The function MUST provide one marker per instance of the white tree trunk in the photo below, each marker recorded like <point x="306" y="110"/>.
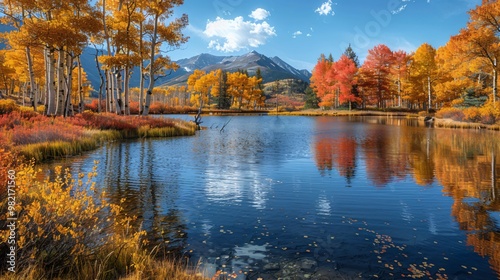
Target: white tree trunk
<point x="429" y="92"/>
<point x="114" y="91"/>
<point x="68" y="105"/>
<point x="33" y="96"/>
<point x="141" y="69"/>
<point x="60" y="83"/>
<point x="151" y="67"/>
<point x="126" y="90"/>
<point x="495" y="79"/>
<point x="81" y="98"/>
<point x="50" y="82"/>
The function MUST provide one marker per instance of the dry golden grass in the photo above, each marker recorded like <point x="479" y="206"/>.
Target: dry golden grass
<point x="67" y="229"/>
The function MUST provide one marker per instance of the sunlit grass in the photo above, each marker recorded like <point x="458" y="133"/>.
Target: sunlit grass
<point x="39" y="137"/>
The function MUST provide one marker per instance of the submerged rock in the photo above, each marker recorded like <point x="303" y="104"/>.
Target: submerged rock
<point x="307" y="264"/>
<point x="272" y="266"/>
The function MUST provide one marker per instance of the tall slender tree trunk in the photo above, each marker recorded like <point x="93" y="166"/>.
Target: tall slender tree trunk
<point x="429" y="93"/>
<point x="60" y="82"/>
<point x="399" y="90"/>
<point x="31" y="74"/>
<point x="151" y="66"/>
<point x="141" y="67"/>
<point x="101" y="81"/>
<point x="109" y="76"/>
<point x="126" y="89"/>
<point x="114" y="91"/>
<point x="109" y="99"/>
<point x="51" y="106"/>
<point x="495" y="79"/>
<point x="80" y="86"/>
<point x="118" y="85"/>
<point x="68" y="106"/>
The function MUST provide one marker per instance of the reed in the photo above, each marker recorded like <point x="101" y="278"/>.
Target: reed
<point x="450" y="123"/>
<point x="56" y="149"/>
<point x="69" y="230"/>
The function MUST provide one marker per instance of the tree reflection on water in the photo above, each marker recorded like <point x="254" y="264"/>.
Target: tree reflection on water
<point x="465" y="163"/>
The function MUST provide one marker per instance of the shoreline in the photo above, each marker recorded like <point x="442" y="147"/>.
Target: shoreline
<point x="438" y="122"/>
<point x="95" y="138"/>
<point x="40" y="138"/>
<point x="343" y="113"/>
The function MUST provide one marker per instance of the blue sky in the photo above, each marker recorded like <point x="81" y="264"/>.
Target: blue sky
<point x="299" y="31"/>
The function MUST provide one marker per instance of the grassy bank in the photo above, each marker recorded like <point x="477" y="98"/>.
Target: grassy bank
<point x="338" y="113"/>
<point x="35" y="136"/>
<point x="450" y="123"/>
<point x="66" y="228"/>
<point x="486" y="117"/>
<point x="445" y="119"/>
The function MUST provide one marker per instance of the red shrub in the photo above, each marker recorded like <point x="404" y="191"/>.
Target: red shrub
<point x="158" y="108"/>
<point x="93" y="106"/>
<point x="134" y="107"/>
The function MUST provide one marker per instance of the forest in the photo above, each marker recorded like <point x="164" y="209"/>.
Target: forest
<point x="459" y="78"/>
<point x="47" y="38"/>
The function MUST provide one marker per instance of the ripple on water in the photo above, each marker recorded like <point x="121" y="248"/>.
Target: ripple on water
<point x="359" y="197"/>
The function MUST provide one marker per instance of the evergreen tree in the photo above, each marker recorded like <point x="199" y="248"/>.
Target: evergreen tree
<point x="223" y="99"/>
<point x="349" y="52"/>
<point x="258" y="74"/>
<point x="312" y="99"/>
<point x="330" y="58"/>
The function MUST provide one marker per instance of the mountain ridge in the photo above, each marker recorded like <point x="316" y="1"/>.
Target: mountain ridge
<point x="272" y="69"/>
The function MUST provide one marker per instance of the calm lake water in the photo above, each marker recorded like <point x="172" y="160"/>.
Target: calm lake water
<point x="315" y="197"/>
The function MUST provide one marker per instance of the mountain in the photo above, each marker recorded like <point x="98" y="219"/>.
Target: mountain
<point x="272" y="69"/>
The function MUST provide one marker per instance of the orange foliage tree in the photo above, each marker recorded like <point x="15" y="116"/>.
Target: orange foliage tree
<point x="375" y="81"/>
<point x="333" y="81"/>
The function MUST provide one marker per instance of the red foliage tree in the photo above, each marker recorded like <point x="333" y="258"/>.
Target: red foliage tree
<point x="376" y="75"/>
<point x="322" y="81"/>
<point x="345" y="76"/>
<point x="399" y="68"/>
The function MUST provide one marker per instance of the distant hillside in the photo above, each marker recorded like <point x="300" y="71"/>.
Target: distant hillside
<point x="272" y="69"/>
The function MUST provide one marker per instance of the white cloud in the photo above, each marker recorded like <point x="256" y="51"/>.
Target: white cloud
<point x="296" y="34"/>
<point x="326" y="9"/>
<point x="309" y="35"/>
<point x="237" y="34"/>
<point x="260" y="14"/>
<point x="399" y="10"/>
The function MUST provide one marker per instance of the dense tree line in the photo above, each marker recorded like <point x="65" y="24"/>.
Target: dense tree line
<point x="48" y="37"/>
<point x="465" y="68"/>
<point x="224" y="89"/>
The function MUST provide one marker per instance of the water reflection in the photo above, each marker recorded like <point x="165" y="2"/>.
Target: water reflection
<point x="270" y="193"/>
<point x="464" y="162"/>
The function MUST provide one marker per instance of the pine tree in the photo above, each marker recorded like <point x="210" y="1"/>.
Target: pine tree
<point x="312" y="99"/>
<point x="349" y="52"/>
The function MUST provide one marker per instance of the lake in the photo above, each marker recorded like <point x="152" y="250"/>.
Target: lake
<point x="314" y="197"/>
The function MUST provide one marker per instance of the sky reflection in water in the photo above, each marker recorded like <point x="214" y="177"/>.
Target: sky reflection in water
<point x="326" y="197"/>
